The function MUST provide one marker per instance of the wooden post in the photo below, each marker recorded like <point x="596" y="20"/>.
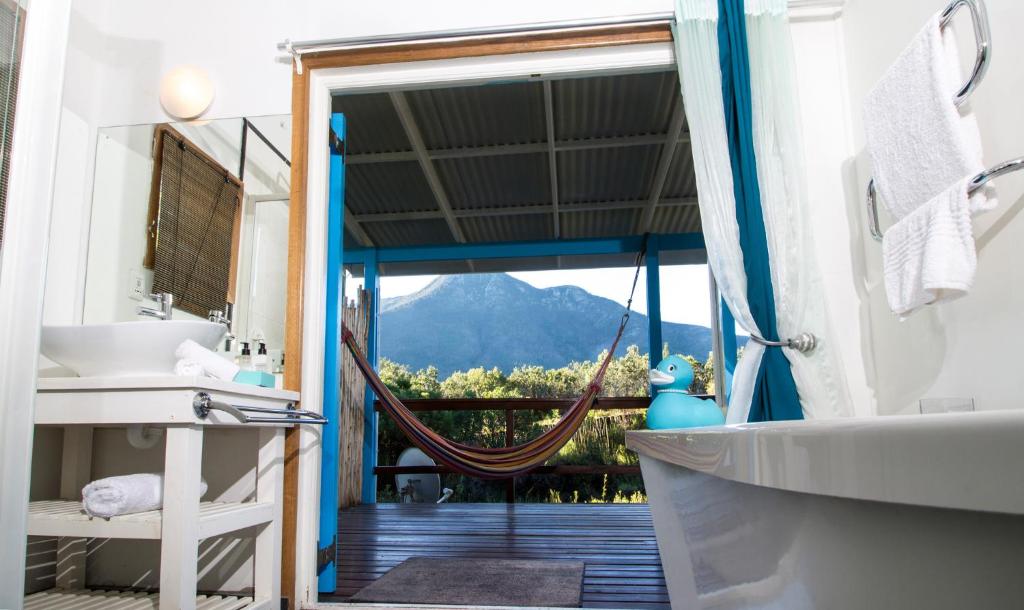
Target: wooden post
<point x="653" y="304"/>
<point x="371" y="282"/>
<point x="510" y="440"/>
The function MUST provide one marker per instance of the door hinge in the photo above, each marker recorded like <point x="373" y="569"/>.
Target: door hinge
<point x="337" y="145"/>
<point x="326" y="555"/>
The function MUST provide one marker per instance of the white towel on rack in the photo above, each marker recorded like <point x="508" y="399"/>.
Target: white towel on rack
<point x="124" y="495"/>
<point x="929" y="255"/>
<point x="212" y="364"/>
<point x="919" y="141"/>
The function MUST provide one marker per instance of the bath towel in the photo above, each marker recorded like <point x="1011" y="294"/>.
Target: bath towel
<point x="213" y="365"/>
<point x="919" y="141"/>
<point x="929" y="255"/>
<point x="923" y="150"/>
<point x="124" y="495"/>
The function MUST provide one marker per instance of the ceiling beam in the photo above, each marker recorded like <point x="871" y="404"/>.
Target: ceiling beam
<point x="357" y="231"/>
<point x="493" y="150"/>
<point x="549" y="119"/>
<point x="668" y="151"/>
<point x="520" y="210"/>
<point x="412" y="131"/>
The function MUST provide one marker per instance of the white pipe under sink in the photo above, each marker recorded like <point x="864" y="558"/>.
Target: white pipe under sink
<point x="917" y="511"/>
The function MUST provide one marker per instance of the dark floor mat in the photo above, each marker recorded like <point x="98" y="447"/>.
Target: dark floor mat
<point x="479" y="582"/>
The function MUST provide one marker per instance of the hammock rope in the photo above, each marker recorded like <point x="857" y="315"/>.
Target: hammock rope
<point x="496" y="462"/>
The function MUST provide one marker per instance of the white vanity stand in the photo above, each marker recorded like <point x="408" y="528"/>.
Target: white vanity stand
<point x="78" y="404"/>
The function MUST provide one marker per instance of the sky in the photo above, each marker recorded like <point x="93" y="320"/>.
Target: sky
<point x="684" y="288"/>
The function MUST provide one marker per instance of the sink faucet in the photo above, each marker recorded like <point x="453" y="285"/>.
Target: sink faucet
<point x="164" y="301"/>
<point x="224" y="317"/>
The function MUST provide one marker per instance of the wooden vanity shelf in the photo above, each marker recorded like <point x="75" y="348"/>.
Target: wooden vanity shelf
<point x="122" y="600"/>
<point x="56" y="518"/>
<point x="184" y="407"/>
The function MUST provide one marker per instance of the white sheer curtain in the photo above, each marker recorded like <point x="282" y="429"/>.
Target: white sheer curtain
<point x="799" y="300"/>
<point x="696" y="38"/>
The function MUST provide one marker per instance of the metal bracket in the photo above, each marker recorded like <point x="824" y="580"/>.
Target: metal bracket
<point x="337" y="144"/>
<point x="289" y="48"/>
<point x="325" y="556"/>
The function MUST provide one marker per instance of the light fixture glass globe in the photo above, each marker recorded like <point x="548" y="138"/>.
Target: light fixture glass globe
<point x="186" y="92"/>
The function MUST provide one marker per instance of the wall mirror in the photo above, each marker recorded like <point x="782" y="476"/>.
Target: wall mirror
<point x="198" y="210"/>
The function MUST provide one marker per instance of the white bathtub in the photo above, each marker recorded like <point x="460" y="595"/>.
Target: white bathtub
<point x="918" y="511"/>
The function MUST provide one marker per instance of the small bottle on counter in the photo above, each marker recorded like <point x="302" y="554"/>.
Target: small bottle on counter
<point x="245" y="358"/>
<point x="261" y="361"/>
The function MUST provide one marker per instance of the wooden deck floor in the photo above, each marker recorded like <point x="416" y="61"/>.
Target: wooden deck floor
<point x="615" y="541"/>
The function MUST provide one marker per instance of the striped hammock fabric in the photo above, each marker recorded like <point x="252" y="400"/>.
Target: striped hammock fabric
<point x="481" y="462"/>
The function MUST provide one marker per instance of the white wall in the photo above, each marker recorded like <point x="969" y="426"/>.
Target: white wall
<point x="821" y="77"/>
<point x="235" y="40"/>
<point x="967" y="348"/>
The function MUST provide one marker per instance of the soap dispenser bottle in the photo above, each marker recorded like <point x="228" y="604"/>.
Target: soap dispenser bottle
<point x="261" y="361"/>
<point x="245" y="359"/>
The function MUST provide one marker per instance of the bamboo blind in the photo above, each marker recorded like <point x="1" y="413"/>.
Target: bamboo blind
<point x="12" y="24"/>
<point x="197" y="209"/>
<point x="353" y="395"/>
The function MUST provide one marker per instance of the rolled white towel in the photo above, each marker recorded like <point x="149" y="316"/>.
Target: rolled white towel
<point x="212" y="364"/>
<point x="188" y="368"/>
<point x="124" y="495"/>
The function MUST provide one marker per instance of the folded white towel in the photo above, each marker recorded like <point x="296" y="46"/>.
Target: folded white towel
<point x="919" y="141"/>
<point x="211" y="363"/>
<point x="133" y="493"/>
<point x="923" y="149"/>
<point x="188" y="368"/>
<point x="929" y="255"/>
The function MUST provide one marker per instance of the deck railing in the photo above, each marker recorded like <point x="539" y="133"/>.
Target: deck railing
<point x="510" y="406"/>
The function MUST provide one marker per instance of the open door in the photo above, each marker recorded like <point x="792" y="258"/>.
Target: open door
<point x="329" y="447"/>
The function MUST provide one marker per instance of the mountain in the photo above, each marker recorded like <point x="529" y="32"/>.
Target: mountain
<point x="459" y="322"/>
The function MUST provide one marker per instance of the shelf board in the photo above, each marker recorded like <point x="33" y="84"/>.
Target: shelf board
<point x="161" y="382"/>
<point x="66" y="518"/>
<point x="156" y="401"/>
<point x="130" y="600"/>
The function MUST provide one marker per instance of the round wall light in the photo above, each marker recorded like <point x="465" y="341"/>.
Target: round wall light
<point x="186" y="92"/>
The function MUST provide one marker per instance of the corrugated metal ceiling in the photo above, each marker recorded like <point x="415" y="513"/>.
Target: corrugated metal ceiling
<point x="488" y="145"/>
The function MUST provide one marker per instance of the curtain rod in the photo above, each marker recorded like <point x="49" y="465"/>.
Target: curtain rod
<point x="297" y="49"/>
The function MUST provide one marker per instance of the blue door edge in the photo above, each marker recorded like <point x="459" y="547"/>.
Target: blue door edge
<point x="330" y="439"/>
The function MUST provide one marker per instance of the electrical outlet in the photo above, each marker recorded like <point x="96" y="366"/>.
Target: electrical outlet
<point x="136" y="289"/>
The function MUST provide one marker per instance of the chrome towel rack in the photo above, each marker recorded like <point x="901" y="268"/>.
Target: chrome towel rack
<point x="983" y="56"/>
<point x="203" y="403"/>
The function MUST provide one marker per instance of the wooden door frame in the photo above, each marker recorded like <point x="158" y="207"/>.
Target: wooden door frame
<point x="295" y="584"/>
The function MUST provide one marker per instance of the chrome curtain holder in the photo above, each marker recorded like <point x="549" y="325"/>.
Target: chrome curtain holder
<point x="803" y="343"/>
<point x="983" y="55"/>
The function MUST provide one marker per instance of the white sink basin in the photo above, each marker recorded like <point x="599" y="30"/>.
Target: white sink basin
<point x="125" y="349"/>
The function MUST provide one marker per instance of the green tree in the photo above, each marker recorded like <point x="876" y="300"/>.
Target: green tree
<point x="600" y="439"/>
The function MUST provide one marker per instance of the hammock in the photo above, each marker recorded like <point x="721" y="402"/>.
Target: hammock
<point x="500" y="462"/>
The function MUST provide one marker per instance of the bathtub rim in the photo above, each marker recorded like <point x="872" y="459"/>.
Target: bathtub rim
<point x="966" y="461"/>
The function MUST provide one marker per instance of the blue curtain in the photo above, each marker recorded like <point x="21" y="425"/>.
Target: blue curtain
<point x="775" y="395"/>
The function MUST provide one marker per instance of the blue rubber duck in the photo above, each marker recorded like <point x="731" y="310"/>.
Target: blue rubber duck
<point x="673" y="407"/>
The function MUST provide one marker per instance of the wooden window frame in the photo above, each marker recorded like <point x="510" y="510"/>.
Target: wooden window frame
<point x="153" y="215"/>
<point x="299" y="590"/>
